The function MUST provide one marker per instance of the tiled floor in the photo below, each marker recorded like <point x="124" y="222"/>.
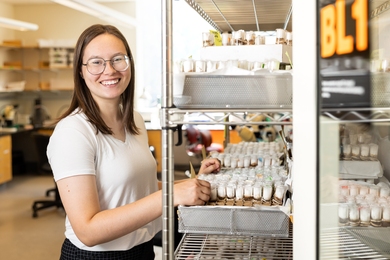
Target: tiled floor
<point x="23" y="237"/>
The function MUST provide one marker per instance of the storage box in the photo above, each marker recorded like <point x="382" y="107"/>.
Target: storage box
<point x="238" y="91"/>
<point x="44" y="85"/>
<point x="12" y="64"/>
<point x="269" y="221"/>
<point x="16" y="43"/>
<point x="16" y="86"/>
<point x="44" y="64"/>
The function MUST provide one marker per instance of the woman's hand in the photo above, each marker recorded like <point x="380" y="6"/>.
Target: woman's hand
<point x="210" y="165"/>
<point x="191" y="192"/>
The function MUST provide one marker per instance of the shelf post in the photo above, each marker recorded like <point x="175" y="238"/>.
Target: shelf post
<point x="167" y="133"/>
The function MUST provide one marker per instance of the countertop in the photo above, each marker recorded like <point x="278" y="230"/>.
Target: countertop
<point x="13" y="130"/>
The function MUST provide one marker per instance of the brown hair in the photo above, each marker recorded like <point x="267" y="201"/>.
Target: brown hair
<point x="82" y="97"/>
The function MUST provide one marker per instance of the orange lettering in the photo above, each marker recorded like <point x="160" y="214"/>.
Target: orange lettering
<point x="344" y="43"/>
<point x="360" y="13"/>
<point x="328" y="31"/>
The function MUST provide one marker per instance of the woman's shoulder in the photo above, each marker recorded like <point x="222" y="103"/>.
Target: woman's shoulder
<point x="76" y="120"/>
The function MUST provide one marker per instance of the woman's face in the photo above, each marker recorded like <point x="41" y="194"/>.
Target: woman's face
<point x="111" y="83"/>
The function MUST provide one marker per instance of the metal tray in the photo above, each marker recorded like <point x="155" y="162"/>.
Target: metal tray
<point x="237" y="91"/>
<point x="267" y="221"/>
<point x="380" y="89"/>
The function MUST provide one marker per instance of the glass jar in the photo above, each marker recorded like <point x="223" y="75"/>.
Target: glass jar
<point x="289" y="38"/>
<point x="230" y="191"/>
<point x="364" y="152"/>
<point x="384" y="192"/>
<point x="363" y="190"/>
<point x="227" y="160"/>
<point x="280" y="190"/>
<point x="376" y="215"/>
<point x="354" y="215"/>
<point x="248" y="192"/>
<point x="343" y="211"/>
<point x="386" y="215"/>
<point x="239" y="192"/>
<point x="214" y="193"/>
<point x="221" y="191"/>
<point x="374" y="151"/>
<point x="257" y="191"/>
<point x="374" y="190"/>
<point x="365" y="216"/>
<point x="267" y="192"/>
<point x="353" y="190"/>
<point x="347" y="151"/>
<point x="355" y="152"/>
<point x="280" y="36"/>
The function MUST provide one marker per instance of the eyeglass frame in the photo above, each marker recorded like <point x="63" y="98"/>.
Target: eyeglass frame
<point x="127" y="59"/>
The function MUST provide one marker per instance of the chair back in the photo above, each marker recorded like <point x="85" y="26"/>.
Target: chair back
<point x="41" y="141"/>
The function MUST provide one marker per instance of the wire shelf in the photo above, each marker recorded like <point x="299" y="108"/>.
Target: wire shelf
<point x="355" y="243"/>
<point x="201" y="246"/>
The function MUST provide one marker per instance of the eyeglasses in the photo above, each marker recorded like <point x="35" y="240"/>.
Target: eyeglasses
<point x="96" y="66"/>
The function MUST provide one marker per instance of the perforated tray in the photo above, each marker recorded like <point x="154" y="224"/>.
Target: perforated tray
<point x="233" y="220"/>
<point x="237" y="91"/>
<point x="380" y="89"/>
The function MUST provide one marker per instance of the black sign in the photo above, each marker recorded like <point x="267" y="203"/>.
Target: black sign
<point x="344" y="65"/>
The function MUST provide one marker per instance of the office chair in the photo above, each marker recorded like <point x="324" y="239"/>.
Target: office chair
<point x="41" y="141"/>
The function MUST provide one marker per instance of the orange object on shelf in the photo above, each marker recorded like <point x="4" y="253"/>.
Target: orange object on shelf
<point x="12" y="64"/>
<point x="44" y="85"/>
<point x="17" y="43"/>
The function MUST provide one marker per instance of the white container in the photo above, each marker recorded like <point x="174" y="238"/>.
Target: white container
<point x="354" y="213"/>
<point x="373" y="151"/>
<point x="376" y="212"/>
<point x="16" y="86"/>
<point x="280" y="36"/>
<point x="343" y="211"/>
<point x="365" y="214"/>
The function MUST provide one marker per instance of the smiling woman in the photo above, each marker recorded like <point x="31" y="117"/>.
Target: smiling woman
<point x="101" y="161"/>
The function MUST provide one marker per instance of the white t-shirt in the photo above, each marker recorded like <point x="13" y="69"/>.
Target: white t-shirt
<point x="125" y="171"/>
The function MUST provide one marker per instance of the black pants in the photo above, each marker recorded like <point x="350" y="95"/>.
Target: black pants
<point x="141" y="252"/>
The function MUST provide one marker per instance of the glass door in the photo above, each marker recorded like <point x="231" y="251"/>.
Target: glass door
<point x="353" y="130"/>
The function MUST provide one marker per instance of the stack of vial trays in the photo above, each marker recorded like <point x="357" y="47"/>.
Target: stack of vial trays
<point x="247" y="198"/>
<point x="251" y="175"/>
<point x="364" y="204"/>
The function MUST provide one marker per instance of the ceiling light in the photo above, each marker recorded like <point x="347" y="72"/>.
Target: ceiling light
<point x="76" y="6"/>
<point x="100" y="11"/>
<point x="17" y="25"/>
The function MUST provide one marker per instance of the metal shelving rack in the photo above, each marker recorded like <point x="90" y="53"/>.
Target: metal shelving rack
<point x="341" y="243"/>
<point x="201" y="246"/>
<point x="171" y="117"/>
<point x="355" y="243"/>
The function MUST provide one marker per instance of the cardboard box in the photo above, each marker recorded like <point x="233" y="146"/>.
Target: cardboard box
<point x="17" y="43"/>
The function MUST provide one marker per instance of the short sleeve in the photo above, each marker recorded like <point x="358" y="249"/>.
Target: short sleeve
<point x="71" y="152"/>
